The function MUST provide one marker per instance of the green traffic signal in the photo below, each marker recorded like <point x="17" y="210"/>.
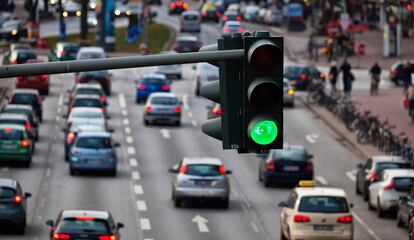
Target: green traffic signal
<point x="263" y="132"/>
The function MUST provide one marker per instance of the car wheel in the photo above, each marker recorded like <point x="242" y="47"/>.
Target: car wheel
<point x="179" y="76"/>
<point x="178" y="123"/>
<point x="370" y="207"/>
<point x="266" y="183"/>
<point x="282" y="236"/>
<point x="112" y="173"/>
<point x="380" y="211"/>
<point x="225" y="203"/>
<point x="400" y="222"/>
<point x="146" y="122"/>
<point x="21" y="229"/>
<point x="72" y="172"/>
<point x="37" y="136"/>
<point x="177" y="203"/>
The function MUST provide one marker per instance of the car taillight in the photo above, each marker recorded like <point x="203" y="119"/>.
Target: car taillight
<point x="204" y="14"/>
<point x="10" y="99"/>
<point x="372" y="176"/>
<point x="103" y="99"/>
<point x="240" y="29"/>
<point x="218" y="14"/>
<point x="141" y="86"/>
<point x="27" y="126"/>
<point x="148" y="108"/>
<point x="301" y="218"/>
<point x="17" y="199"/>
<point x="165" y="87"/>
<point x="309" y="167"/>
<point x="224" y="18"/>
<point x="15" y="61"/>
<point x="176" y="47"/>
<point x="69" y="109"/>
<point x="8" y="130"/>
<point x="177" y="109"/>
<point x="70" y="137"/>
<point x="183" y="169"/>
<point x="62" y="53"/>
<point x="179" y="4"/>
<point x="226" y="29"/>
<point x="270" y="166"/>
<point x="238" y="18"/>
<point x="172" y="6"/>
<point x="60" y="236"/>
<point x="222" y="171"/>
<point x="322" y="75"/>
<point x="185" y="6"/>
<point x="112" y="237"/>
<point x="102" y="109"/>
<point x="24" y="143"/>
<point x="394" y="72"/>
<point x="389" y="186"/>
<point x="217" y="111"/>
<point x="43" y="76"/>
<point x="79" y="79"/>
<point x="303" y="77"/>
<point x="345" y="219"/>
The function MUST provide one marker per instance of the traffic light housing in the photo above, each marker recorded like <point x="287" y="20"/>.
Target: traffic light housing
<point x="262" y="116"/>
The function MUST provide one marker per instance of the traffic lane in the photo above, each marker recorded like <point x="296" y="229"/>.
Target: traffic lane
<point x="334" y="161"/>
<point x="95" y="192"/>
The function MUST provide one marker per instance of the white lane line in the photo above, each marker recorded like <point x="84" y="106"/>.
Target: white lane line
<point x="135" y="175"/>
<point x="235" y="193"/>
<point x="129" y="139"/>
<point x="138" y="190"/>
<point x="185" y="102"/>
<point x="133" y="162"/>
<point x="194" y="123"/>
<point x="131" y="150"/>
<point x="351" y="175"/>
<point x="321" y="180"/>
<point x="48" y="172"/>
<point x="122" y="102"/>
<point x="244" y="207"/>
<point x="312" y="138"/>
<point x="148" y="239"/>
<point x="40" y="217"/>
<point x="126" y="121"/>
<point x="127" y="130"/>
<point x="125" y="113"/>
<point x="165" y="133"/>
<point x="190" y="114"/>
<point x="201" y="223"/>
<point x="255" y="228"/>
<point x="145" y="224"/>
<point x="59" y="109"/>
<point x="60" y="101"/>
<point x="364" y="225"/>
<point x="141" y="205"/>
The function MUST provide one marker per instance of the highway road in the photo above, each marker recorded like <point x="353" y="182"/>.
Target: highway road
<point x="140" y="195"/>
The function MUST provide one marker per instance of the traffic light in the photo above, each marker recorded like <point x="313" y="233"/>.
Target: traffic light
<point x="262" y="115"/>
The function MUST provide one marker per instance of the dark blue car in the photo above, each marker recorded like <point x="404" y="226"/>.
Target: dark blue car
<point x="150" y="83"/>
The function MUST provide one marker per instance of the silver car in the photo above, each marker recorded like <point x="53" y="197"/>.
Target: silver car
<point x="200" y="178"/>
<point x="162" y="107"/>
<point x="170" y="71"/>
<point x="288" y="94"/>
<point x="190" y="21"/>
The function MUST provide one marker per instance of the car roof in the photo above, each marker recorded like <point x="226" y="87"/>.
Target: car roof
<point x="202" y="160"/>
<point x="86" y="109"/>
<point x="320" y="191"/>
<point x="154" y="75"/>
<point x="94" y="134"/>
<point x="91" y="213"/>
<point x="8" y="182"/>
<point x="387" y="158"/>
<point x="87" y="128"/>
<point x="399" y="172"/>
<point x="87" y="96"/>
<point x="26" y="90"/>
<point x="187" y="38"/>
<point x="91" y="49"/>
<point x="68" y="43"/>
<point x="163" y="94"/>
<point x="13" y="116"/>
<point x="19" y="106"/>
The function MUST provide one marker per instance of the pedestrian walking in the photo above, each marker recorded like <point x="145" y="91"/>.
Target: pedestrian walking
<point x="406" y="75"/>
<point x="375" y="72"/>
<point x="333" y="76"/>
<point x="347" y="77"/>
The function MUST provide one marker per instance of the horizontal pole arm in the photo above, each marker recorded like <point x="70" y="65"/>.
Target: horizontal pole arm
<point x="32" y="69"/>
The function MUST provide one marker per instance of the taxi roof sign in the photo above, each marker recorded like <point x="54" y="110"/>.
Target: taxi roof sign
<point x="308" y="183"/>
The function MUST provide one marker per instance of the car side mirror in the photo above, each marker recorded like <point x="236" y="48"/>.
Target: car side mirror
<point x="282" y="204"/>
<point x="403" y="199"/>
<point x="359" y="165"/>
<point x="228" y="172"/>
<point x="120" y="225"/>
<point x="310" y="156"/>
<point x="49" y="223"/>
<point x="117" y="144"/>
<point x="173" y="170"/>
<point x="27" y="195"/>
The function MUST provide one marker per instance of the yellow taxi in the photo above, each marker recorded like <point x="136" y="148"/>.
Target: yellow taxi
<point x="312" y="212"/>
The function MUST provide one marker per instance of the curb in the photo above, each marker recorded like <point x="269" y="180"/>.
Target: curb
<point x="171" y="39"/>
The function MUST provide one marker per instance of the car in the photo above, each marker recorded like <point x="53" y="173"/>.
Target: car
<point x="15" y="145"/>
<point x="162" y="107"/>
<point x="273" y="17"/>
<point x="214" y="111"/>
<point x="80" y="126"/>
<point x="150" y="83"/>
<point x="190" y="21"/>
<point x="234" y="7"/>
<point x="22" y="109"/>
<point x="39" y="82"/>
<point x="24" y="96"/>
<point x="92" y="19"/>
<point x="209" y="12"/>
<point x="286" y="166"/>
<point x="367" y="173"/>
<point x="311" y="212"/>
<point x="261" y="14"/>
<point x="93" y="151"/>
<point x="13" y="30"/>
<point x="205" y="72"/>
<point x="200" y="178"/>
<point x="64" y="51"/>
<point x="71" y="8"/>
<point x="120" y="9"/>
<point x="19" y="56"/>
<point x="301" y="76"/>
<point x="170" y="71"/>
<point x="85" y="116"/>
<point x="177" y="7"/>
<point x="250" y="13"/>
<point x="102" y="77"/>
<point x="87" y="100"/>
<point x="232" y="27"/>
<point x="134" y="8"/>
<point x="396" y="72"/>
<point x="84" y="224"/>
<point x="21" y="120"/>
<point x="90" y="53"/>
<point x="385" y="191"/>
<point x="405" y="208"/>
<point x="14" y="47"/>
<point x="186" y="44"/>
<point x="13" y="203"/>
<point x="89" y="89"/>
<point x="230" y="16"/>
<point x="288" y="94"/>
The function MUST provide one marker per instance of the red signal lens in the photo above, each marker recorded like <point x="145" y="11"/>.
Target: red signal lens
<point x="264" y="56"/>
<point x="178" y="3"/>
<point x="409" y="7"/>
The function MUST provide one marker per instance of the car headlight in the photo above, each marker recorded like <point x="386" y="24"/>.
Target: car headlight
<point x="92" y="5"/>
<point x="117" y="12"/>
<point x="14" y="32"/>
<point x="65" y="14"/>
<point x="95" y="22"/>
<point x="128" y="12"/>
<point x="78" y="13"/>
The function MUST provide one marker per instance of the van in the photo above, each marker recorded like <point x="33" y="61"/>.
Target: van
<point x="190" y="22"/>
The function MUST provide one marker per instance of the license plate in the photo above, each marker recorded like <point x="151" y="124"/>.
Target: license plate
<point x="186" y="49"/>
<point x="291" y="168"/>
<point x="323" y="227"/>
<point x="202" y="183"/>
<point x="32" y="78"/>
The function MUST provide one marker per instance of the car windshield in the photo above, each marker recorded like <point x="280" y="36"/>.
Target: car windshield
<point x="88" y="91"/>
<point x="403" y="184"/>
<point x="164" y="100"/>
<point x="323" y="204"/>
<point x="90" y="55"/>
<point x="10" y="25"/>
<point x="391" y="165"/>
<point x="86" y="114"/>
<point x="231" y="17"/>
<point x="291" y="154"/>
<point x="157" y="81"/>
<point x="186" y="42"/>
<point x="87" y="103"/>
<point x="18" y="111"/>
<point x="24" y="56"/>
<point x="94" y="142"/>
<point x="11" y="134"/>
<point x="293" y="71"/>
<point x="93" y="74"/>
<point x="190" y="17"/>
<point x="71" y="49"/>
<point x="6" y="193"/>
<point x="23" y="99"/>
<point x="71" y="225"/>
<point x="13" y="121"/>
<point x="203" y="170"/>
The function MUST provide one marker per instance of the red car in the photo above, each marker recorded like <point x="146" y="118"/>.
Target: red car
<point x="40" y="82"/>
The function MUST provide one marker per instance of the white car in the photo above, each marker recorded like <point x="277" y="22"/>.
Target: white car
<point x="232" y="27"/>
<point x="90" y="53"/>
<point x="316" y="213"/>
<point x="205" y="72"/>
<point x="86" y="114"/>
<point x="387" y="188"/>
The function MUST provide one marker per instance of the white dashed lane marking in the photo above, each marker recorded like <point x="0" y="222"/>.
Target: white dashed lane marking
<point x="122" y="101"/>
<point x="364" y="225"/>
<point x="255" y="228"/>
<point x="135" y="175"/>
<point x="131" y="150"/>
<point x="194" y="123"/>
<point x="126" y="121"/>
<point x="185" y="102"/>
<point x="133" y="162"/>
<point x="190" y="114"/>
<point x="60" y="101"/>
<point x="321" y="180"/>
<point x="129" y="139"/>
<point x="138" y="190"/>
<point x="352" y="175"/>
<point x="125" y="113"/>
<point x="127" y="130"/>
<point x="145" y="224"/>
<point x="141" y="205"/>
